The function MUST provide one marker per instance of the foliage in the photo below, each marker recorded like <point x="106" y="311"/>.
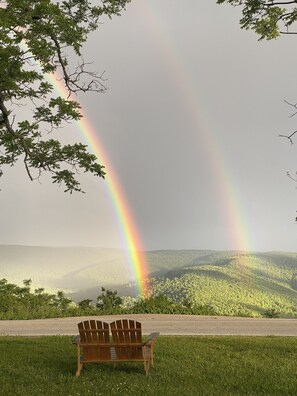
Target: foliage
<point x="268" y="19"/>
<point x="216" y="366"/>
<point x="242" y="285"/>
<point x="128" y="302"/>
<point x="271" y="313"/>
<point x="37" y="38"/>
<point x="21" y="303"/>
<point x="161" y="304"/>
<point x="108" y="300"/>
<point x="154" y="304"/>
<point x="231" y="284"/>
<point x="84" y="304"/>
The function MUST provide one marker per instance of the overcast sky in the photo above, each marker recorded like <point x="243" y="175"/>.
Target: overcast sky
<point x="190" y="123"/>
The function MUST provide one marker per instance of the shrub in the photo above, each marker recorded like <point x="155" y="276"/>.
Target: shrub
<point x="271" y="313"/>
<point x="108" y="300"/>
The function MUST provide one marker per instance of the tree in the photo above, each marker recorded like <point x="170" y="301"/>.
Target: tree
<point x="108" y="300"/>
<point x="85" y="304"/>
<point x="37" y="38"/>
<point x="62" y="302"/>
<point x="269" y="18"/>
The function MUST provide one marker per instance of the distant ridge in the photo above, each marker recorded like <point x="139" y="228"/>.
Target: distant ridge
<point x="234" y="282"/>
<point x="66" y="268"/>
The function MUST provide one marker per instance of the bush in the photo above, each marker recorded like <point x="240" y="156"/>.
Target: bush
<point x="21" y="303"/>
<point x="271" y="313"/>
<point x="108" y="300"/>
<point x="156" y="304"/>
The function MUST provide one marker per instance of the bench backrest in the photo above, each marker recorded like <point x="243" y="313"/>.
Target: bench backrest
<point x="126" y="335"/>
<point x="92" y="333"/>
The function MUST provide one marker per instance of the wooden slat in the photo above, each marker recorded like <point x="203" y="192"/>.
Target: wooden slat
<point x="81" y="332"/>
<point x="100" y="332"/>
<point x="105" y="339"/>
<point x="132" y="333"/>
<point x="114" y="333"/>
<point x="88" y="334"/>
<point x="117" y="337"/>
<point x="119" y="325"/>
<point x="126" y="334"/>
<point x="93" y="334"/>
<point x="138" y="332"/>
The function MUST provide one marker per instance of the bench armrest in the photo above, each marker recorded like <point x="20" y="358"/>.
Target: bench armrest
<point x="151" y="338"/>
<point x="75" y="339"/>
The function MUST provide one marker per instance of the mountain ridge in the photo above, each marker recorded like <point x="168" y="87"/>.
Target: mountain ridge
<point x="233" y="282"/>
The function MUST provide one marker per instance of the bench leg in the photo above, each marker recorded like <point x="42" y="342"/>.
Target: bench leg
<point x="152" y="356"/>
<point x="79" y="364"/>
<point x="146" y="359"/>
<point x="79" y="367"/>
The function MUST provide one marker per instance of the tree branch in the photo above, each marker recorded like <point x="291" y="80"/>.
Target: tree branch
<point x="282" y="32"/>
<point x="292" y="105"/>
<point x="71" y="80"/>
<point x="272" y="4"/>
<point x="289" y="137"/>
<point x="11" y="131"/>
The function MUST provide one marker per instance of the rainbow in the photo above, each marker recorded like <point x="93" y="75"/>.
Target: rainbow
<point x="135" y="252"/>
<point x="236" y="226"/>
<point x="136" y="256"/>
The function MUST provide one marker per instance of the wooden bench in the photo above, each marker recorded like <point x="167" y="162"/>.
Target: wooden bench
<point x="121" y="341"/>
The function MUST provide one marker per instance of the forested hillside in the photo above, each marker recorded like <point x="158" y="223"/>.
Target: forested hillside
<point x="228" y="282"/>
<point x="231" y="283"/>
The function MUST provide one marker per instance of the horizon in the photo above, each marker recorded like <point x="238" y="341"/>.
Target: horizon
<point x="151" y="250"/>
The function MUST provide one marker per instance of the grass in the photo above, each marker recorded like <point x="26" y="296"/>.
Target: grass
<point x="183" y="366"/>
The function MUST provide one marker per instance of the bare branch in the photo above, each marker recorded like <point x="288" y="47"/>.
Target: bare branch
<point x="282" y="32"/>
<point x="272" y="3"/>
<point x="289" y="137"/>
<point x="292" y="177"/>
<point x="72" y="80"/>
<point x="27" y="167"/>
<point x="293" y="105"/>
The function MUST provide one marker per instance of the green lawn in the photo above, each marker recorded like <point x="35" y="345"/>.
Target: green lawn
<point x="183" y="366"/>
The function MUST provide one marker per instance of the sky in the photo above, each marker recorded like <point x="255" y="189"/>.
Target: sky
<point x="190" y="124"/>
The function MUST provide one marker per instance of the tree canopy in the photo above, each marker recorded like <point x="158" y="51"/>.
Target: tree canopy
<point x="37" y="38"/>
<point x="269" y="19"/>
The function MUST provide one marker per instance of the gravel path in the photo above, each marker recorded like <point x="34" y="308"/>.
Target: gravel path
<point x="165" y="324"/>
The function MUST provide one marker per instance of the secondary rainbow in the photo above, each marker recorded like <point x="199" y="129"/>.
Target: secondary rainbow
<point x="233" y="213"/>
<point x="136" y="256"/>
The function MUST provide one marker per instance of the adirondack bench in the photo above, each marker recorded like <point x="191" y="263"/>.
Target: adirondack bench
<point x="121" y="341"/>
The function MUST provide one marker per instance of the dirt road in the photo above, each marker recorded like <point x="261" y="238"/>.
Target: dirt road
<point x="165" y="324"/>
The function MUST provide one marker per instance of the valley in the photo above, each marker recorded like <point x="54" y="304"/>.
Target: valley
<point x="231" y="283"/>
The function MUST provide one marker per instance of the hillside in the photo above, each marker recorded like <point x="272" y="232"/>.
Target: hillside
<point x="82" y="271"/>
<point x="232" y="283"/>
<point x="68" y="268"/>
<point x="75" y="269"/>
<point x="239" y="284"/>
